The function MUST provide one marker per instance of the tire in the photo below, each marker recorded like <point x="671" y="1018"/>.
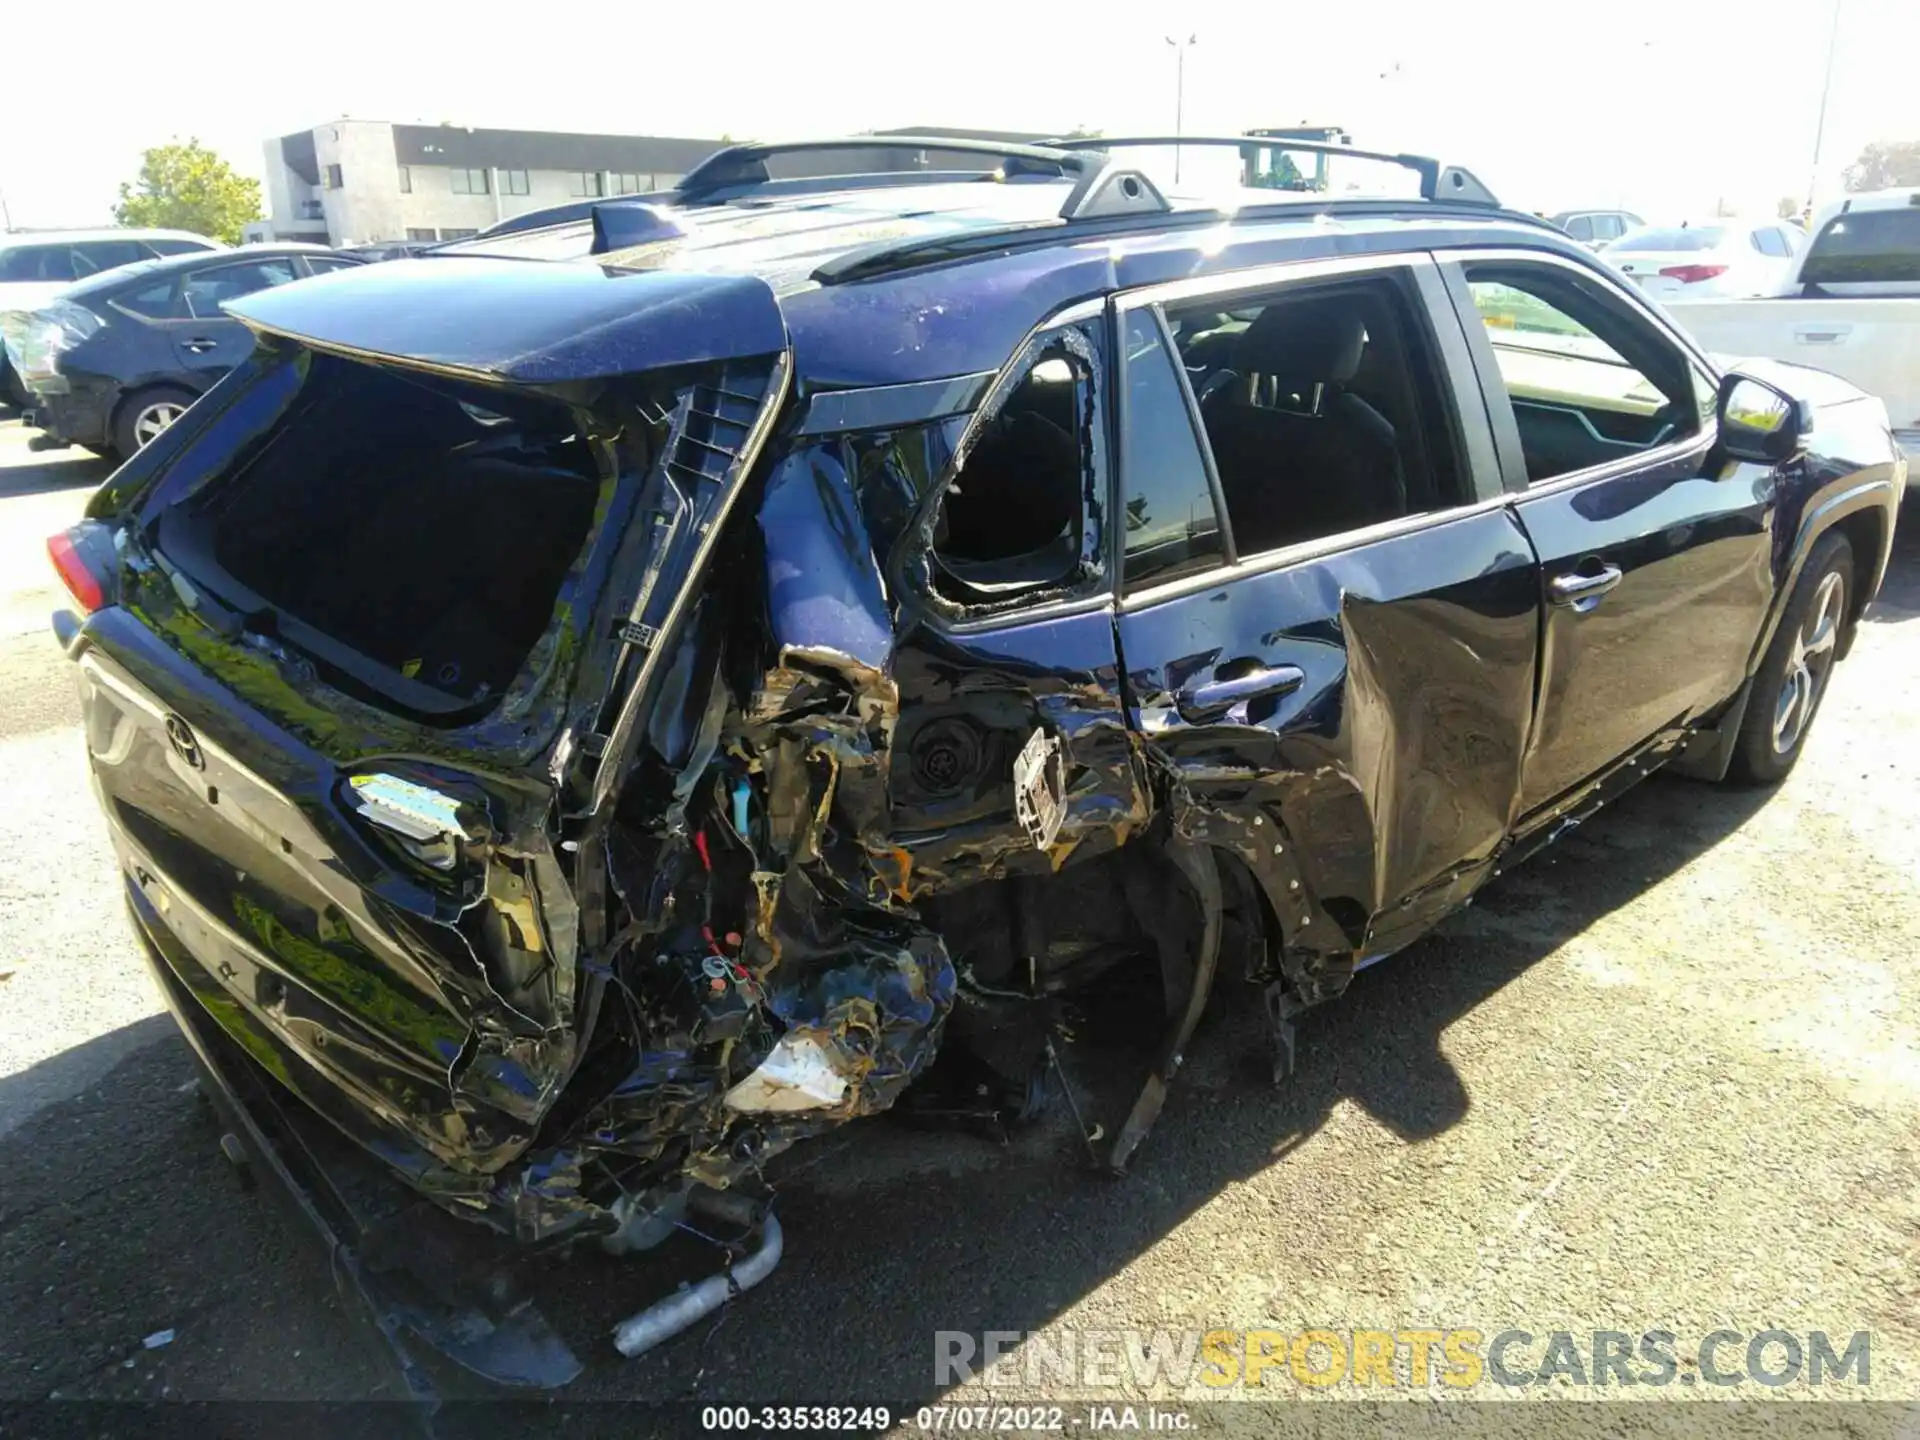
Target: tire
<point x="134" y="422"/>
<point x="1792" y="679"/>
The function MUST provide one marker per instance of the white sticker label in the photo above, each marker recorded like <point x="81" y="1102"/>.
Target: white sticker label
<point x="1040" y="788"/>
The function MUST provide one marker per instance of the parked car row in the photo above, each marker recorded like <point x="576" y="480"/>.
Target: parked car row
<point x="35" y="266"/>
<point x="110" y="358"/>
<point x="1696" y="258"/>
<point x="1849" y="303"/>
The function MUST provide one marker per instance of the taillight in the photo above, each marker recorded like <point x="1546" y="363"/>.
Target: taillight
<point x="1693" y="274"/>
<point x="83" y="556"/>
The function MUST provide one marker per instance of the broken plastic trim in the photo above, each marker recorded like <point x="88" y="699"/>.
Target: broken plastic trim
<point x="607" y="778"/>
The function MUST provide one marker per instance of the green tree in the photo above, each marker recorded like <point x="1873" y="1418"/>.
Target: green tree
<point x="185" y="186"/>
<point x="1885" y="164"/>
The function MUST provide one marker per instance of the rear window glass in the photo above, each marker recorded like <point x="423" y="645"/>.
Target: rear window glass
<point x="1866" y="247"/>
<point x="1703" y="237"/>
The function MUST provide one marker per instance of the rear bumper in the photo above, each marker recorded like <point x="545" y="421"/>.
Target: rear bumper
<point x="397" y="1263"/>
<point x="80" y="417"/>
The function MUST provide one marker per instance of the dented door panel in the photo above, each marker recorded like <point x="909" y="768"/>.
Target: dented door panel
<point x="1394" y="762"/>
<point x="969" y="703"/>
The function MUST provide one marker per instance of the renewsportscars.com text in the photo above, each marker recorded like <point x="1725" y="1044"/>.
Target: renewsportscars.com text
<point x="1457" y="1358"/>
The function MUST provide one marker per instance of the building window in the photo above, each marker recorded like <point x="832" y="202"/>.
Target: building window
<point x="584" y="182"/>
<point x="513" y="182"/>
<point x="630" y="182"/>
<point x="406" y="179"/>
<point x="470" y="182"/>
<point x="334" y="181"/>
<point x="458" y="234"/>
<point x="414" y="232"/>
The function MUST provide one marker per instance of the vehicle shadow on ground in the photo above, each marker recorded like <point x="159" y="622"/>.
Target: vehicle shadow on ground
<point x="66" y="469"/>
<point x="892" y="1234"/>
<point x="1899" y="597"/>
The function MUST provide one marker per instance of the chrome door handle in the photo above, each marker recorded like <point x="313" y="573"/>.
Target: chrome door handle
<point x="1583" y="592"/>
<point x="1215" y="697"/>
<point x="199" y="346"/>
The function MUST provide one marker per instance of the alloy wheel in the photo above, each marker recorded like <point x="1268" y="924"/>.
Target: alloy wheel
<point x="1808" y="664"/>
<point x="154" y="418"/>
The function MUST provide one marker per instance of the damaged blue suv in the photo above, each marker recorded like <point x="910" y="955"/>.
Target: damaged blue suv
<point x="587" y="708"/>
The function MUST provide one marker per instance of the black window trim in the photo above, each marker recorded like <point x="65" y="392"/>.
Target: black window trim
<point x="1499" y="410"/>
<point x="1460" y="391"/>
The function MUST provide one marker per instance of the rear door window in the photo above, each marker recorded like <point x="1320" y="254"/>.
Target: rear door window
<point x="155" y="302"/>
<point x="1769" y="241"/>
<point x="1323" y="409"/>
<point x="93" y="256"/>
<point x="1169" y="524"/>
<point x="1580" y="227"/>
<point x="204" y="291"/>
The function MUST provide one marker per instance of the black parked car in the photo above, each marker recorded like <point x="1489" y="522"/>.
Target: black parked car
<point x="114" y="360"/>
<point x="588" y="708"/>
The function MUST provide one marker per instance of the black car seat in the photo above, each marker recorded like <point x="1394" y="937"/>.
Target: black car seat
<point x="1299" y="455"/>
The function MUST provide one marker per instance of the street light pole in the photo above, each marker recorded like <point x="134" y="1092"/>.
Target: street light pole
<point x="1820" y="126"/>
<point x="1179" y="94"/>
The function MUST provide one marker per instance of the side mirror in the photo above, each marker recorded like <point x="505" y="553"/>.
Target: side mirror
<point x="1761" y="423"/>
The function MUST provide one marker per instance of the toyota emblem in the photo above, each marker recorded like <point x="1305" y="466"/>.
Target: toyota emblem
<point x="180" y="736"/>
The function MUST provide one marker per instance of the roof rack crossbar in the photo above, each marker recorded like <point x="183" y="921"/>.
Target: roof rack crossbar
<point x="746" y="164"/>
<point x="1430" y="170"/>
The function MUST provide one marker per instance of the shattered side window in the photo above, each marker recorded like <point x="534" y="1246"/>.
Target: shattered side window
<point x="1020" y="517"/>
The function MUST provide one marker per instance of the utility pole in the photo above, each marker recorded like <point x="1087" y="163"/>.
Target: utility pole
<point x="1180" y="48"/>
<point x="6" y="215"/>
<point x="1820" y="126"/>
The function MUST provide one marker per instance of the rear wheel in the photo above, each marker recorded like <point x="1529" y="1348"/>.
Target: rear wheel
<point x="144" y="415"/>
<point x="1792" y="679"/>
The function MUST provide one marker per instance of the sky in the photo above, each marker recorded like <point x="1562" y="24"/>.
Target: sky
<point x="1669" y="108"/>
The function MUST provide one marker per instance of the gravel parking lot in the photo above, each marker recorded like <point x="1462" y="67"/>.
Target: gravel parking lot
<point x="1665" y="1077"/>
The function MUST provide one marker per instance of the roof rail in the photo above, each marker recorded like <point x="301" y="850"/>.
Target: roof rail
<point x="1437" y="182"/>
<point x="887" y="257"/>
<point x="746" y="164"/>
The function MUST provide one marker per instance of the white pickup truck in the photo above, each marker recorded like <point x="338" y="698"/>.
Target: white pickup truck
<point x="1851" y="305"/>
